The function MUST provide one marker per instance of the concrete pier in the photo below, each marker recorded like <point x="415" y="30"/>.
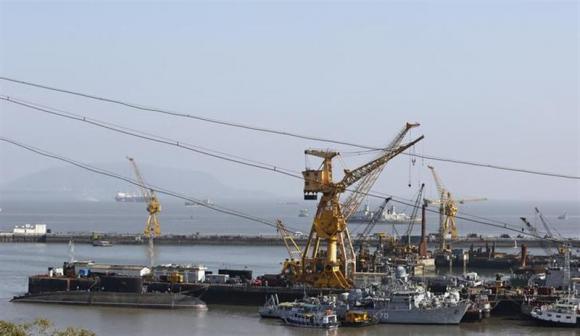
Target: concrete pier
<point x="254" y="240"/>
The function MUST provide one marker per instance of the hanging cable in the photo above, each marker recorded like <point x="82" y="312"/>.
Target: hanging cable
<point x="152" y="137"/>
<point x="239" y="160"/>
<point x="157" y="189"/>
<point x="226" y="210"/>
<point x="279" y="132"/>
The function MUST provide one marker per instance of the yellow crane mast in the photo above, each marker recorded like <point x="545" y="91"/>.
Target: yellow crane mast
<point x="323" y="260"/>
<point x="447" y="209"/>
<point x="152" y="227"/>
<point x="291" y="266"/>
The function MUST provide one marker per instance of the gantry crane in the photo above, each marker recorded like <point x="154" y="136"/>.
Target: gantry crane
<point x="562" y="248"/>
<point x="414" y="213"/>
<point x="447" y="210"/>
<point x="325" y="255"/>
<point x="152" y="228"/>
<point x="356" y="197"/>
<point x="364" y="254"/>
<point x="546" y="225"/>
<point x="534" y="231"/>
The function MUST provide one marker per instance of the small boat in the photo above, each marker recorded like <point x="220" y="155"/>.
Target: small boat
<point x="303" y="213"/>
<point x="563" y="216"/>
<point x="102" y="243"/>
<point x="358" y="318"/>
<point x="479" y="308"/>
<point x="565" y="312"/>
<point x="274" y="309"/>
<point x="311" y="316"/>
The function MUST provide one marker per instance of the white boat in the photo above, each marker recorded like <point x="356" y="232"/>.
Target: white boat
<point x="470" y="280"/>
<point x="389" y="216"/>
<point x="565" y="312"/>
<point x="102" y="243"/>
<point x="310" y="316"/>
<point x="206" y="201"/>
<point x="303" y="213"/>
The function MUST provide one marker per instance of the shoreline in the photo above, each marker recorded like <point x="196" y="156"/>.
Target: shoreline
<point x="253" y="240"/>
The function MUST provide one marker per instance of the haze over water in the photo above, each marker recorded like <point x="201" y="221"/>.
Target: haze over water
<point x="493" y="82"/>
<point x="176" y="218"/>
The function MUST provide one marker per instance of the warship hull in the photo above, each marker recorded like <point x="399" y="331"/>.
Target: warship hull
<point x="442" y="315"/>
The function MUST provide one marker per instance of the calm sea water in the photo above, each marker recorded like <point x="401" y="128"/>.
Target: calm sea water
<point x="18" y="261"/>
<point x="177" y="218"/>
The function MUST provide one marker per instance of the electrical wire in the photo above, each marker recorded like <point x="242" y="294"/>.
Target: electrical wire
<point x="152" y="137"/>
<point x="214" y="207"/>
<point x="239" y="160"/>
<point x="280" y="132"/>
<point x="159" y="190"/>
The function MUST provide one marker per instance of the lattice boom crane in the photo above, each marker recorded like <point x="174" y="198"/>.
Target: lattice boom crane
<point x="152" y="227"/>
<point x="326" y="252"/>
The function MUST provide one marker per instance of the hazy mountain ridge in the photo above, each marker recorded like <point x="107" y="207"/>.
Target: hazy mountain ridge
<point x="74" y="183"/>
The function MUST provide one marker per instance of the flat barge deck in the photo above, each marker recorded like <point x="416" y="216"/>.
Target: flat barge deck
<point x="115" y="299"/>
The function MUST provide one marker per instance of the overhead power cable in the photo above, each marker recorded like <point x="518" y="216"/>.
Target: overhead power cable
<point x="239" y="159"/>
<point x="151" y="137"/>
<point x="199" y="202"/>
<point x="159" y="190"/>
<point x="279" y="132"/>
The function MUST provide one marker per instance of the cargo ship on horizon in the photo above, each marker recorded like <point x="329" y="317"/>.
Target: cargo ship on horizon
<point x="130" y="197"/>
<point x="389" y="216"/>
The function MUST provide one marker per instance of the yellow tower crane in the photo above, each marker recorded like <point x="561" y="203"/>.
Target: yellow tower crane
<point x="447" y="209"/>
<point x="152" y="228"/>
<point x="324" y="259"/>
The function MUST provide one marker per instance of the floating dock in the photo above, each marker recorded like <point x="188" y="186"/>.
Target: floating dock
<point x="115" y="299"/>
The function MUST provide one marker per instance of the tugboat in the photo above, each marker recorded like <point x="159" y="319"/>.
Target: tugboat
<point x="358" y="318"/>
<point x="565" y="312"/>
<point x="310" y="316"/>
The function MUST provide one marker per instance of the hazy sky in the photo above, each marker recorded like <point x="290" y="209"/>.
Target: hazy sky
<point x="495" y="82"/>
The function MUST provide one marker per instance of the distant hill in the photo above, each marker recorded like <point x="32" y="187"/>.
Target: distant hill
<point x="73" y="183"/>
